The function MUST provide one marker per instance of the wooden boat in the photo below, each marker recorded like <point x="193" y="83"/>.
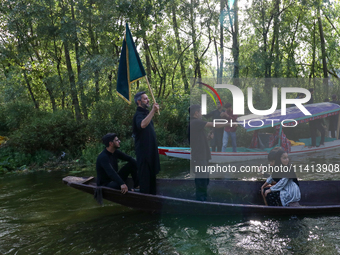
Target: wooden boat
<point x="224" y="157"/>
<point x="318" y="111"/>
<point x="226" y="197"/>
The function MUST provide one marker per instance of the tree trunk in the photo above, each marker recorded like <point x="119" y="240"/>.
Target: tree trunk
<point x="95" y="52"/>
<point x="323" y="47"/>
<point x="323" y="51"/>
<point x="179" y="47"/>
<point x="220" y="69"/>
<point x="30" y="89"/>
<point x="312" y="75"/>
<point x="236" y="47"/>
<point x="96" y="82"/>
<point x="147" y="58"/>
<point x="61" y="85"/>
<point x="110" y="86"/>
<point x="50" y="93"/>
<point x="193" y="36"/>
<point x="59" y="73"/>
<point x="80" y="81"/>
<point x="74" y="95"/>
<point x="266" y="56"/>
<point x="217" y="64"/>
<point x="276" y="39"/>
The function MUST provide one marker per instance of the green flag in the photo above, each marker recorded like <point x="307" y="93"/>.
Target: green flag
<point x="130" y="67"/>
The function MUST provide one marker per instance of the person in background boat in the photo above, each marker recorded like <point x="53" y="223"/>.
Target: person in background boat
<point x="333" y="120"/>
<point x="311" y="100"/>
<point x="200" y="151"/>
<point x="229" y="131"/>
<point x="286" y="182"/>
<point x="299" y="95"/>
<point x="327" y="121"/>
<point x="146" y="143"/>
<point x="217" y="133"/>
<point x="107" y="165"/>
<point x="315" y="125"/>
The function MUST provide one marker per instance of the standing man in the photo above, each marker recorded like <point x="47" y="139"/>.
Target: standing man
<point x="146" y="143"/>
<point x="311" y="100"/>
<point x="216" y="141"/>
<point x="107" y="165"/>
<point x="229" y="131"/>
<point x="333" y="120"/>
<point x="200" y="151"/>
<point x="315" y="125"/>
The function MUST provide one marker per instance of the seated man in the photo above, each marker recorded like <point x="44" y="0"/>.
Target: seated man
<point x="107" y="165"/>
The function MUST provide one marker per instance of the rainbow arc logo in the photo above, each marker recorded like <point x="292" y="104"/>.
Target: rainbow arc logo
<point x="209" y="93"/>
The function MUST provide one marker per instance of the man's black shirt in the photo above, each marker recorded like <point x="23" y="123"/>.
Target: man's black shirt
<point x="107" y="167"/>
<point x="198" y="141"/>
<point x="145" y="142"/>
<point x="215" y="114"/>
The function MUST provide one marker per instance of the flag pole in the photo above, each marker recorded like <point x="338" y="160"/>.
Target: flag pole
<point x="153" y="98"/>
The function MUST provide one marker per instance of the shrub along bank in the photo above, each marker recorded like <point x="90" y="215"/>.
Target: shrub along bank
<point x="37" y="137"/>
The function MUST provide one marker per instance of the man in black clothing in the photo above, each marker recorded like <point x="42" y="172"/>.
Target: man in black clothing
<point x="333" y="120"/>
<point x="216" y="141"/>
<point x="146" y="144"/>
<point x="311" y="100"/>
<point x="107" y="165"/>
<point x="315" y="125"/>
<point x="200" y="151"/>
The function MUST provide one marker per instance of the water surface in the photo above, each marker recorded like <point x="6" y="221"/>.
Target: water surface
<point x="41" y="215"/>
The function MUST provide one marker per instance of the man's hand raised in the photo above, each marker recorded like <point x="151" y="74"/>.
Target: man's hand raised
<point x="155" y="107"/>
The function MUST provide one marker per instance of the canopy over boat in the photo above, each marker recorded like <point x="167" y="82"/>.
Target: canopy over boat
<point x="255" y="122"/>
<point x="318" y="111"/>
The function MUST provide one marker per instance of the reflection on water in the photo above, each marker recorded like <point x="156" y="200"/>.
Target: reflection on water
<point x="40" y="215"/>
<point x="272" y="236"/>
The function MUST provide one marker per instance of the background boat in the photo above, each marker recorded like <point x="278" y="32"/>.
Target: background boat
<point x="318" y="111"/>
<point x="246" y="154"/>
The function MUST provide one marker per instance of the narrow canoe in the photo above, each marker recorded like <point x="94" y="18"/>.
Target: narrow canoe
<point x="226" y="197"/>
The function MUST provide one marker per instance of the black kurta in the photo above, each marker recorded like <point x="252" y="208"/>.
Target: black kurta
<point x="216" y="142"/>
<point x="333" y="122"/>
<point x="107" y="168"/>
<point x="200" y="156"/>
<point x="199" y="145"/>
<point x="146" y="152"/>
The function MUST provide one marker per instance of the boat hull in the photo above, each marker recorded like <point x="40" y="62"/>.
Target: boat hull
<point x="175" y="196"/>
<point x="226" y="157"/>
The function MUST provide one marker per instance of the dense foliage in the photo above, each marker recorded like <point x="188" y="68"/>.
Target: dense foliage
<point x="40" y="136"/>
<point x="59" y="61"/>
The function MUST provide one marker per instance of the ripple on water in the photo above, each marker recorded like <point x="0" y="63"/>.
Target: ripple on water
<point x="51" y="218"/>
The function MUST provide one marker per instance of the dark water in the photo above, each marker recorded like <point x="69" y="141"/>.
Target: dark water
<point x="40" y="215"/>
